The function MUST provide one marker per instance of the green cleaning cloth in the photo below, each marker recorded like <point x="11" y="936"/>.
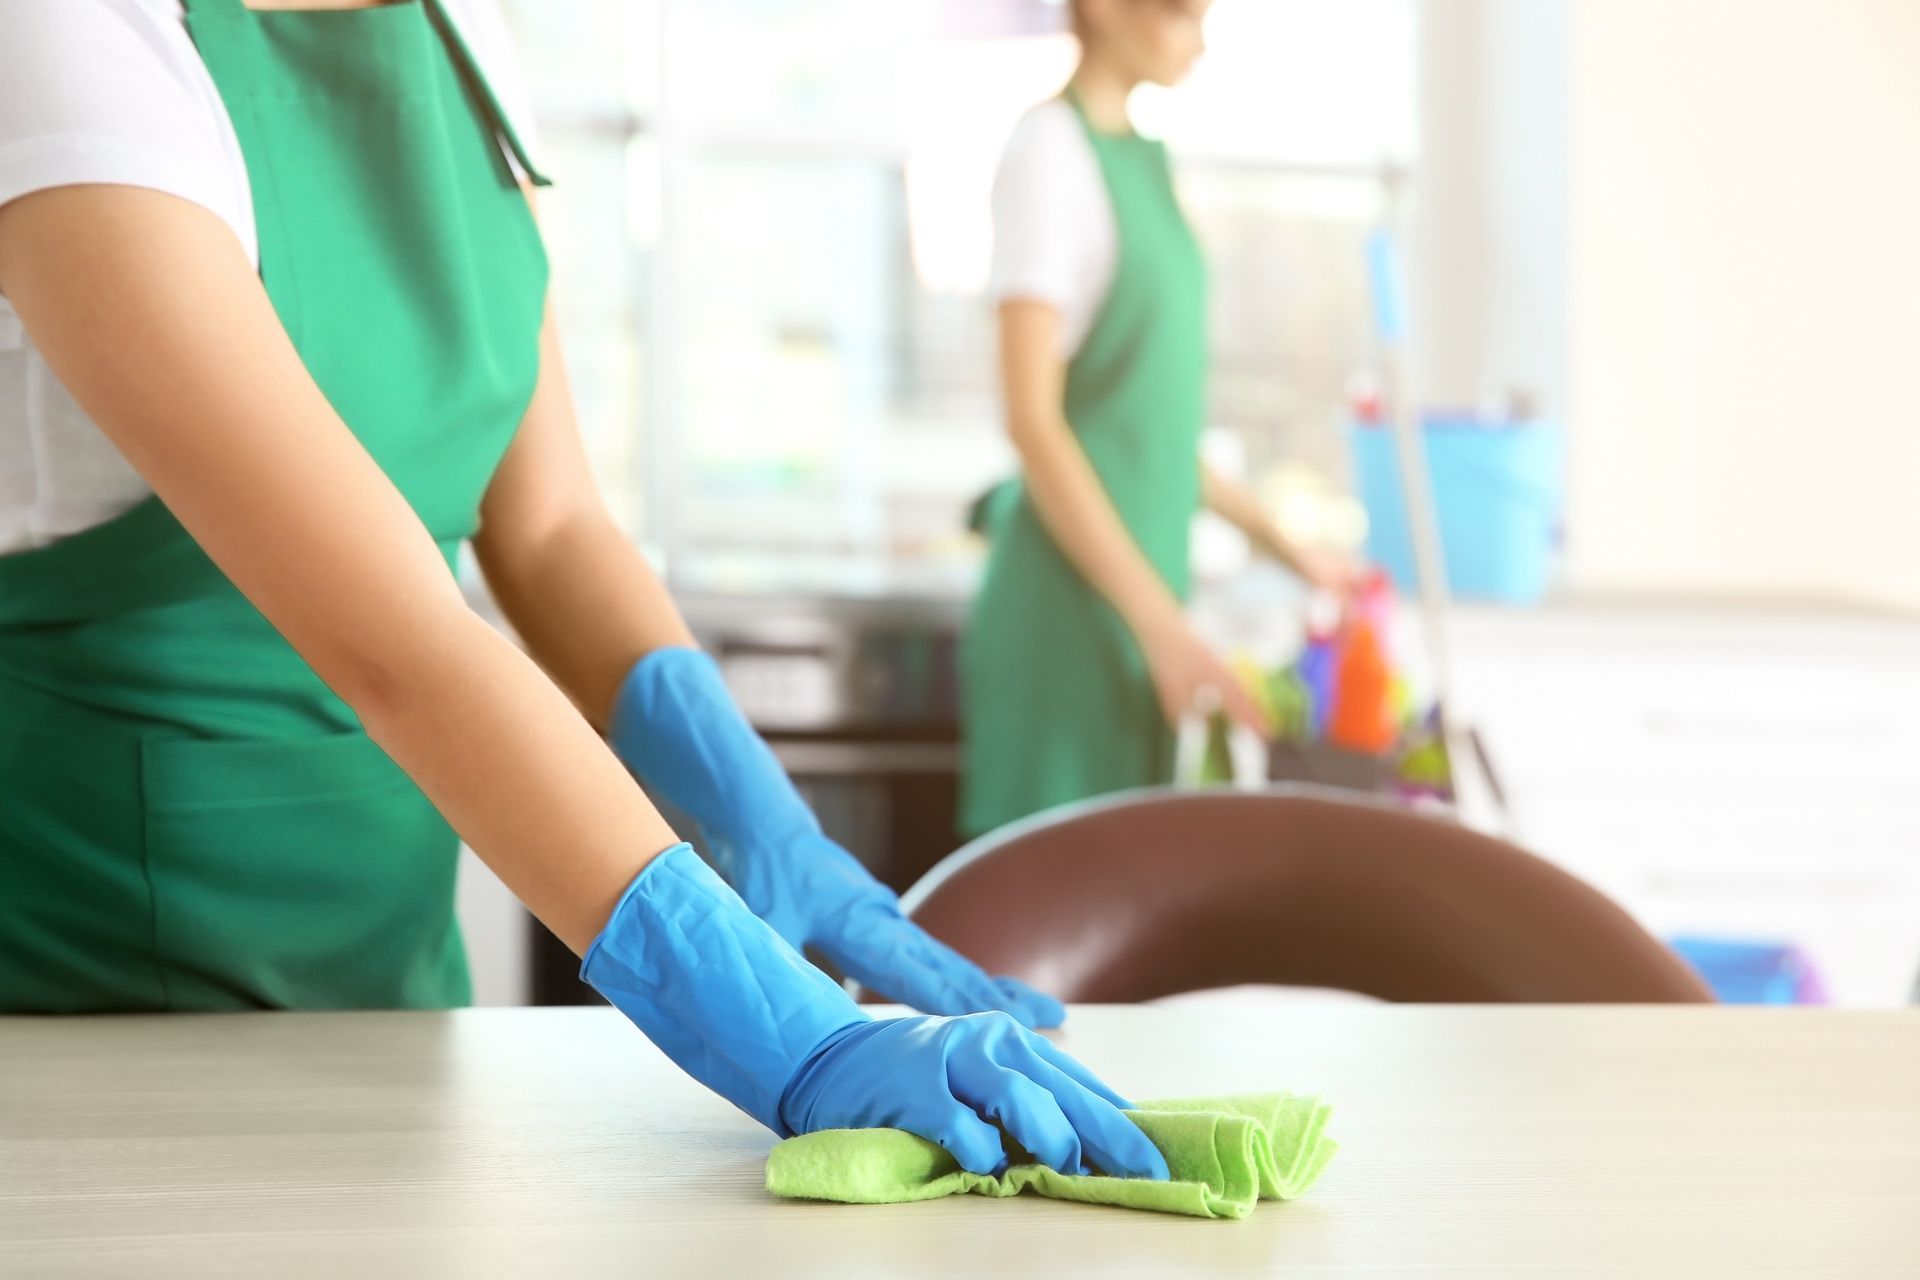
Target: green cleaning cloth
<point x="1225" y="1154"/>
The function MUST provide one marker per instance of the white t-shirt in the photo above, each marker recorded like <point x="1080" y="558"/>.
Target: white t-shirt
<point x="1054" y="238"/>
<point x="113" y="91"/>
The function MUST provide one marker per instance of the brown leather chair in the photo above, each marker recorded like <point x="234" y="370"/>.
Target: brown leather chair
<point x="1152" y="893"/>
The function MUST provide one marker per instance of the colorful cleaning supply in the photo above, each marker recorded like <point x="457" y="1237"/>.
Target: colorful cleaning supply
<point x="1290" y="703"/>
<point x="1373" y="601"/>
<point x="1216" y="765"/>
<point x="1423" y="769"/>
<point x="1315" y="668"/>
<point x="1362" y="719"/>
<point x="1747" y="972"/>
<point x="1255" y="682"/>
<point x="1399" y="699"/>
<point x="1225" y="1155"/>
<point x="1345" y="713"/>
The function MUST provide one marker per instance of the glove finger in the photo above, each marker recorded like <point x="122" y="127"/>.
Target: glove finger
<point x="968" y="981"/>
<point x="902" y="962"/>
<point x="1031" y="1116"/>
<point x="1115" y="1144"/>
<point x="869" y="948"/>
<point x="910" y="981"/>
<point x="1074" y="1070"/>
<point x="1043" y="1008"/>
<point x="970" y="1140"/>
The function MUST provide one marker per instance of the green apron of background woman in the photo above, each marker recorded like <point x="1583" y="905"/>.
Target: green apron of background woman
<point x="189" y="818"/>
<point x="1058" y="701"/>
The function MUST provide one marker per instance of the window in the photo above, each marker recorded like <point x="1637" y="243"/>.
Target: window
<point x="771" y="236"/>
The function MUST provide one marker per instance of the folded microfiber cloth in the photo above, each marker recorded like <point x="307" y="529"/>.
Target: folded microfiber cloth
<point x="1225" y="1154"/>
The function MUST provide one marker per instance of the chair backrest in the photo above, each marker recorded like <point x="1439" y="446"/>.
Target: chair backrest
<point x="1151" y="893"/>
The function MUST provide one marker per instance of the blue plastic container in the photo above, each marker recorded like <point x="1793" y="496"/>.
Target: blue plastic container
<point x="1752" y="972"/>
<point x="1499" y="492"/>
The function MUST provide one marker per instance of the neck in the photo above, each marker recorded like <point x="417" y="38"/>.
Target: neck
<point x="1103" y="92"/>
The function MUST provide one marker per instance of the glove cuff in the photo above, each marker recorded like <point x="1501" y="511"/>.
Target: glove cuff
<point x="678" y="729"/>
<point x="713" y="986"/>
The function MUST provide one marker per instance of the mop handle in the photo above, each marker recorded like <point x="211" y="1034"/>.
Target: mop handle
<point x="1416" y="485"/>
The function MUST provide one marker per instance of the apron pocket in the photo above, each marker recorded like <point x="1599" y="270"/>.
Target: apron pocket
<point x="298" y="873"/>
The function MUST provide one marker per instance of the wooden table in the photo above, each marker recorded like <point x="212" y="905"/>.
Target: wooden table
<point x="1510" y="1142"/>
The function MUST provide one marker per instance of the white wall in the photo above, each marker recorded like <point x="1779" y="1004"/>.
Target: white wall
<point x="1487" y="269"/>
<point x="497" y="933"/>
<point x="1745" y="297"/>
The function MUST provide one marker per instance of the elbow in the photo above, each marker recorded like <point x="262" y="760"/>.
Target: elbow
<point x="1034" y="436"/>
<point x="385" y="672"/>
<point x="372" y="682"/>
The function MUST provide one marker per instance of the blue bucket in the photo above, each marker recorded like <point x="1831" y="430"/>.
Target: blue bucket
<point x="1753" y="972"/>
<point x="1499" y="492"/>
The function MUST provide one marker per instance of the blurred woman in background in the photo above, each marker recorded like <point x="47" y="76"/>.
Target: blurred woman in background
<point x="1079" y="658"/>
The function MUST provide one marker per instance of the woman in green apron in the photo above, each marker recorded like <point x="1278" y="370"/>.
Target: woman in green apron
<point x="242" y="719"/>
<point x="1078" y="658"/>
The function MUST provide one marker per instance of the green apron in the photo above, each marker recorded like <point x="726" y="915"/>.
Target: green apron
<point x="1058" y="702"/>
<point x="189" y="818"/>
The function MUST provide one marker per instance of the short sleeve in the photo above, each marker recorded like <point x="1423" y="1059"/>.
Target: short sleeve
<point x="1054" y="238"/>
<point x="1036" y="233"/>
<point x="103" y="91"/>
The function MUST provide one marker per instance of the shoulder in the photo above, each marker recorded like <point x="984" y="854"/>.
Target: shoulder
<point x="1045" y="124"/>
<point x="1046" y="137"/>
<point x="97" y="66"/>
<point x="67" y="36"/>
<point x="1048" y="171"/>
<point x="1052" y="225"/>
<point x="113" y="91"/>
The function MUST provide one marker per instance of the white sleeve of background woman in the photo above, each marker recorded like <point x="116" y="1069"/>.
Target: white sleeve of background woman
<point x="1053" y="227"/>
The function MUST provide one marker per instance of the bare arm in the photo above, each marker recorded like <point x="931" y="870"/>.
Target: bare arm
<point x="148" y="311"/>
<point x="1080" y="516"/>
<point x="1235" y="503"/>
<point x="584" y="600"/>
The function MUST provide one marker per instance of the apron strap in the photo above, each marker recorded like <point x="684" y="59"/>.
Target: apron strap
<point x="503" y="125"/>
<point x="456" y="44"/>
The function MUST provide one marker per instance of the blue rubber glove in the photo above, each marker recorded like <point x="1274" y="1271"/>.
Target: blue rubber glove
<point x="677" y="728"/>
<point x="745" y="1014"/>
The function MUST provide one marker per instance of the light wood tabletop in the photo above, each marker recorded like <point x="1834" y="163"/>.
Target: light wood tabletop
<point x="1513" y="1142"/>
